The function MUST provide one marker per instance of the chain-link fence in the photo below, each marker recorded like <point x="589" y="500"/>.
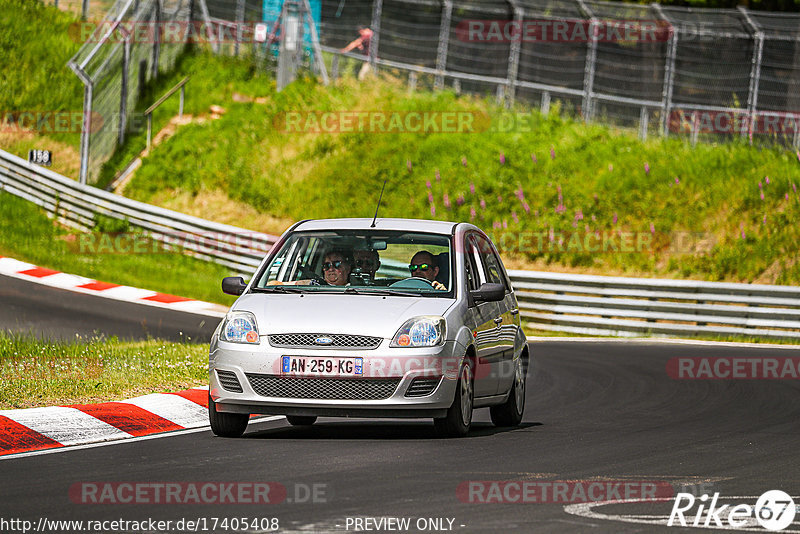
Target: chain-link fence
<point x="667" y="70"/>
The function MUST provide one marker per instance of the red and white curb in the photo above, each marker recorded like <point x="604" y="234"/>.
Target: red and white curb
<point x="79" y="284"/>
<point x="43" y="429"/>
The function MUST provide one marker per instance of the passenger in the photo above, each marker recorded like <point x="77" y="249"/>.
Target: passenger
<point x="423" y="265"/>
<point x="368" y="261"/>
<point x="336" y="266"/>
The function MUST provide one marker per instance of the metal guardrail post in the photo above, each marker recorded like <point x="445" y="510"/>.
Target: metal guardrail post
<point x="86" y="125"/>
<point x="335" y="66"/>
<point x="695" y="127"/>
<point x="123" y="96"/>
<point x="755" y="71"/>
<point x="591" y="62"/>
<point x="377" y="11"/>
<point x="545" y="103"/>
<point x="85" y="9"/>
<point x="669" y="70"/>
<point x="443" y="45"/>
<point x="149" y="111"/>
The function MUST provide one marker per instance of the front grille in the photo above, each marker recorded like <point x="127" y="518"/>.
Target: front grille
<point x="422" y="387"/>
<point x="339" y="341"/>
<point x="228" y="381"/>
<point x="323" y="388"/>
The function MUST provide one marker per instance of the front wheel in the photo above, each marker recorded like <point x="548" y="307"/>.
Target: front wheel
<point x="510" y="412"/>
<point x="301" y="420"/>
<point x="227" y="425"/>
<point x="459" y="416"/>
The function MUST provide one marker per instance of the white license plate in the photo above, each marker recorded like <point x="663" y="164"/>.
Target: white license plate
<point x="322" y="366"/>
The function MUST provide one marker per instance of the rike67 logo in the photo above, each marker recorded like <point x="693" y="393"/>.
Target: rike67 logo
<point x="774" y="510"/>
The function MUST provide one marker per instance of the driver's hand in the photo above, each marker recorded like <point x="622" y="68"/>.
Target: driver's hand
<point x="438" y="285"/>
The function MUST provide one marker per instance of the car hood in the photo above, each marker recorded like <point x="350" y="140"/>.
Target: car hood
<point x="369" y="315"/>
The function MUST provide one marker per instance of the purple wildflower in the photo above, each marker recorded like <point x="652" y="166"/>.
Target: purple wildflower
<point x="552" y="152"/>
<point x="677" y="181"/>
<point x="499" y="198"/>
<point x="446" y="200"/>
<point x="483" y="204"/>
<point x="505" y="223"/>
<point x="533" y="158"/>
<point x="430" y="197"/>
<point x="433" y="210"/>
<point x="787" y="196"/>
<point x="579" y="215"/>
<point x="527" y="208"/>
<point x="471" y="213"/>
<point x="496" y="225"/>
<point x="615" y="217"/>
<point x="514" y="216"/>
<point x="472" y="188"/>
<point x="460" y="199"/>
<point x="428" y="184"/>
<point x="762" y="195"/>
<point x="646" y="168"/>
<point x="794" y="187"/>
<point x="765" y="219"/>
<point x="766" y="179"/>
<point x="502" y="159"/>
<point x="759" y="184"/>
<point x="652" y="228"/>
<point x="574" y="224"/>
<point x="519" y="194"/>
<point x="438" y="176"/>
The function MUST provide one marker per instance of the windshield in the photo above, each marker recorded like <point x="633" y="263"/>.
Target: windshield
<point x="361" y="261"/>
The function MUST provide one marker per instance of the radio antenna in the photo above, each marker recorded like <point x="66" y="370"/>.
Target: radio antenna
<point x="378" y="206"/>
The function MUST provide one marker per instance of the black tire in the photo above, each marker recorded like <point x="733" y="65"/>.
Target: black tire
<point x="459" y="416"/>
<point x="301" y="420"/>
<point x="227" y="425"/>
<point x="510" y="412"/>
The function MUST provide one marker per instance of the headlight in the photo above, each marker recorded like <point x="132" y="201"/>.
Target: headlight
<point x="240" y="327"/>
<point x="425" y="331"/>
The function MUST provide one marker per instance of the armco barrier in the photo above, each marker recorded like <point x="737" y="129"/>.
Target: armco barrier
<point x="609" y="305"/>
<point x="586" y="304"/>
<point x="78" y="206"/>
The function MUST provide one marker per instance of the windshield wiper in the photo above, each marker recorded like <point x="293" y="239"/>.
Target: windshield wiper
<point x="277" y="289"/>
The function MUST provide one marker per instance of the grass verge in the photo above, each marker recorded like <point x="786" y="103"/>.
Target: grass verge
<point x="46" y="373"/>
<point x="28" y="235"/>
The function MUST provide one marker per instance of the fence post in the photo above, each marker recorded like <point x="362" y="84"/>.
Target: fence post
<point x="84" y="9"/>
<point x="157" y="39"/>
<point x="644" y="117"/>
<point x="545" y="104"/>
<point x="86" y="125"/>
<point x="513" y="55"/>
<point x="444" y="44"/>
<point x="412" y="81"/>
<point x="377" y="10"/>
<point x="669" y="72"/>
<point x="755" y="71"/>
<point x="209" y="34"/>
<point x="239" y="24"/>
<point x="695" y="127"/>
<point x="591" y="58"/>
<point x="335" y="66"/>
<point x="123" y="96"/>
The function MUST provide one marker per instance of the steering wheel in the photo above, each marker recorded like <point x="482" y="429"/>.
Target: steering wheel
<point x="413" y="282"/>
<point x="305" y="273"/>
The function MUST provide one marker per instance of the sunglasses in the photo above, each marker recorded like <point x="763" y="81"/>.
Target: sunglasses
<point x="421" y="267"/>
<point x="332" y="265"/>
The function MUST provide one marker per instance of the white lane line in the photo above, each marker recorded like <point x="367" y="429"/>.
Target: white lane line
<point x="175" y="408"/>
<point x="67" y="426"/>
<point x="124" y="441"/>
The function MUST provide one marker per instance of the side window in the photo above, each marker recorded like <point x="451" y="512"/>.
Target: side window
<point x="475" y="275"/>
<point x="491" y="264"/>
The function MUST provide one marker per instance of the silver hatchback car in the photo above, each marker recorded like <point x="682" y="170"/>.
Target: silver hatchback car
<point x="371" y="318"/>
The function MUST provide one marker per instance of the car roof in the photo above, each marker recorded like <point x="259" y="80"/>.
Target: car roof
<point x="409" y="225"/>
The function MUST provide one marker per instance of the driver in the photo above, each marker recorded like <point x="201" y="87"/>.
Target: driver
<point x="336" y="266"/>
<point x="424" y="266"/>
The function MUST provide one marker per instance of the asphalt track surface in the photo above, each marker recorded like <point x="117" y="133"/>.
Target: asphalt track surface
<point x="594" y="411"/>
<point x="52" y="313"/>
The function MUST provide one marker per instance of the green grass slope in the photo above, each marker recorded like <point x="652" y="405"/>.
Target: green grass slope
<point x="556" y="193"/>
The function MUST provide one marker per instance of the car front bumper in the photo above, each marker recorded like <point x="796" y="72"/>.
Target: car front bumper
<point x="381" y="391"/>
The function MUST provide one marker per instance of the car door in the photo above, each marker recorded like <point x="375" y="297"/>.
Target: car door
<point x="484" y="325"/>
<point x="507" y="320"/>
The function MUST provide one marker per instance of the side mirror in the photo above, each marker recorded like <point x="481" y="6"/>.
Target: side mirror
<point x="233" y="285"/>
<point x="489" y="293"/>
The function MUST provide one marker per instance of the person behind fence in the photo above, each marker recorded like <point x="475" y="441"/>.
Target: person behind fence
<point x="362" y="42"/>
